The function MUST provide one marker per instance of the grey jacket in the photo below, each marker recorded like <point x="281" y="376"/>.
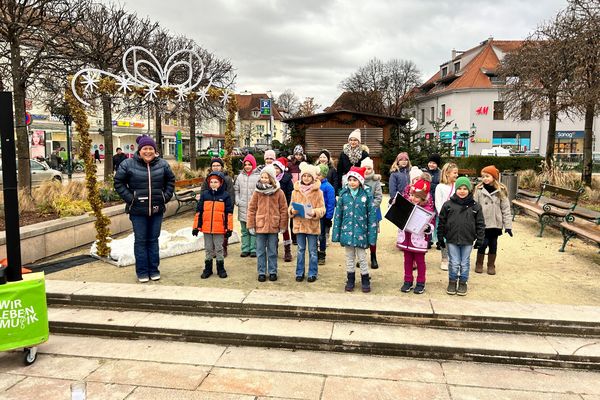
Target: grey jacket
<point x="374" y="182"/>
<point x="496" y="207"/>
<point x="244" y="188"/>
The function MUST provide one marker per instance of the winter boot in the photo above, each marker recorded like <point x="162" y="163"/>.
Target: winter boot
<point x="207" y="269"/>
<point x="479" y="263"/>
<point x="365" y="281"/>
<point x="350" y="283"/>
<point x="451" y="287"/>
<point x="321" y="257"/>
<point x="287" y="256"/>
<point x="374" y="263"/>
<point x="491" y="264"/>
<point x="225" y="243"/>
<point x="221" y="269"/>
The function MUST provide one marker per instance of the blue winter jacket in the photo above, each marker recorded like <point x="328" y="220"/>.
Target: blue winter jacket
<point x="398" y="181"/>
<point x="329" y="197"/>
<point x="145" y="187"/>
<point x="355" y="220"/>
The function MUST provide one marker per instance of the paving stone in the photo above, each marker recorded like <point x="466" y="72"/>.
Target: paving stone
<point x="107" y="391"/>
<point x="145" y="393"/>
<point x="327" y="363"/>
<point x="39" y="388"/>
<point x="177" y="376"/>
<point x="590" y="397"/>
<point x="49" y="366"/>
<point x="337" y="388"/>
<point x="263" y="383"/>
<point x="477" y="393"/>
<point x="522" y="378"/>
<point x="575" y="346"/>
<point x="409" y="335"/>
<point x="56" y="287"/>
<point x="551" y="312"/>
<point x="8" y="380"/>
<point x="254" y="326"/>
<point x="339" y="301"/>
<point x="91" y="316"/>
<point x="142" y="350"/>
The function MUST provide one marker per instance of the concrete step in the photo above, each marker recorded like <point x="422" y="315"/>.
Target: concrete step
<point x="350" y="337"/>
<point x="402" y="310"/>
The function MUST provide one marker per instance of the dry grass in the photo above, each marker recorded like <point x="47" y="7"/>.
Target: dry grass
<point x="54" y="197"/>
<point x="182" y="172"/>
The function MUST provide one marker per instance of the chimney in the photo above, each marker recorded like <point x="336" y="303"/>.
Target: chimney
<point x="453" y="54"/>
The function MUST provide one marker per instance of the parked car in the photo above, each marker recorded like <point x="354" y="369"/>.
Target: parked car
<point x="496" y="151"/>
<point x="40" y="173"/>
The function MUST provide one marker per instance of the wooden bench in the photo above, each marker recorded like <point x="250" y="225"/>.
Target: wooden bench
<point x="187" y="193"/>
<point x="547" y="209"/>
<point x="576" y="225"/>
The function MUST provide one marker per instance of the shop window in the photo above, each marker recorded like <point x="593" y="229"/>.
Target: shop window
<point x="432" y="114"/>
<point x="498" y="110"/>
<point x="422" y="116"/>
<point x="443" y="113"/>
<point x="526" y="111"/>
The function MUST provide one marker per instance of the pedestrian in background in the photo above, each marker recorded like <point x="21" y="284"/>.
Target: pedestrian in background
<point x="118" y="159"/>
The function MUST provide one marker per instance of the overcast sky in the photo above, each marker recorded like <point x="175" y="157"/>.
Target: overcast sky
<point x="310" y="46"/>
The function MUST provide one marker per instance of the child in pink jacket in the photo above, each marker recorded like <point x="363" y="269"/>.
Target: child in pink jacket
<point x="413" y="245"/>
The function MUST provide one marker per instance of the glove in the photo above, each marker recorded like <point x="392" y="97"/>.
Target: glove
<point x="328" y="223"/>
<point x="195" y="232"/>
<point x="228" y="234"/>
<point x="252" y="231"/>
<point x="441" y="244"/>
<point x="282" y="231"/>
<point x="427" y="229"/>
<point x="509" y="232"/>
<point x="478" y="244"/>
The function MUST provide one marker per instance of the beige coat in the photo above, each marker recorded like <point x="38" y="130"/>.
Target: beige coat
<point x="496" y="208"/>
<point x="267" y="213"/>
<point x="314" y="197"/>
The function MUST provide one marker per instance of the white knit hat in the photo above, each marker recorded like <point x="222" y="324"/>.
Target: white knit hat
<point x="269" y="169"/>
<point x="355" y="134"/>
<point x="270" y="154"/>
<point x="367" y="162"/>
<point x="306" y="168"/>
<point x="414" y="172"/>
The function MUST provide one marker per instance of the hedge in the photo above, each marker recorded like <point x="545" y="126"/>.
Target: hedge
<point x="502" y="163"/>
<point x="203" y="163"/>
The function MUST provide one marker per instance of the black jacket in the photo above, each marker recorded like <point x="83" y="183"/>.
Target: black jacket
<point x="344" y="165"/>
<point x="287" y="186"/>
<point x="332" y="178"/>
<point x="146" y="188"/>
<point x="461" y="221"/>
<point x="117" y="160"/>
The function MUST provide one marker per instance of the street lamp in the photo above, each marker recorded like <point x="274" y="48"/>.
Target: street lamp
<point x="63" y="113"/>
<point x="454" y="133"/>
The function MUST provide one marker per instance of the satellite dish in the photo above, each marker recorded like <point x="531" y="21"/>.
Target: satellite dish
<point x="413" y="124"/>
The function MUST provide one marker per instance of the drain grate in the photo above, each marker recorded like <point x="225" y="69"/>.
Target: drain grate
<point x="59" y="265"/>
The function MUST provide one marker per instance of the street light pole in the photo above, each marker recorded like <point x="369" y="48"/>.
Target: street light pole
<point x="454" y="133"/>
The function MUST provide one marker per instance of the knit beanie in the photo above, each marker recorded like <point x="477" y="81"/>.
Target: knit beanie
<point x="269" y="154"/>
<point x="282" y="163"/>
<point x="436" y="159"/>
<point x="414" y="173"/>
<point x="403" y="156"/>
<point x="306" y="168"/>
<point x="463" y="181"/>
<point x="217" y="160"/>
<point x="420" y="189"/>
<point x="216" y="174"/>
<point x="298" y="149"/>
<point x="358" y="173"/>
<point x="323" y="170"/>
<point x="492" y="170"/>
<point x="367" y="162"/>
<point x="355" y="134"/>
<point x="145" y="140"/>
<point x="327" y="154"/>
<point x="270" y="170"/>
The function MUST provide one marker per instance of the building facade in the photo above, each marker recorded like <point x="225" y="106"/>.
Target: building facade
<point x="253" y="127"/>
<point x="464" y="98"/>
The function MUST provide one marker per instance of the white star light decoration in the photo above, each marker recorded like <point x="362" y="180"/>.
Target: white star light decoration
<point x="137" y="61"/>
<point x="224" y="98"/>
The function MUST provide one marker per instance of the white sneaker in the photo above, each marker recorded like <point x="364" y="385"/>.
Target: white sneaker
<point x="155" y="277"/>
<point x="444" y="266"/>
<point x="143" y="279"/>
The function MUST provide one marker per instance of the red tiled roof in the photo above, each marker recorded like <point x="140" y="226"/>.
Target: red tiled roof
<point x="472" y="75"/>
<point x="249" y="102"/>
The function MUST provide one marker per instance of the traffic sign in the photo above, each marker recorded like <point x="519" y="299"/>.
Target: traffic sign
<point x="28" y="119"/>
<point x="265" y="106"/>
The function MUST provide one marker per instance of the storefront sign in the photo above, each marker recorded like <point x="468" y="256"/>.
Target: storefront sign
<point x="128" y="124"/>
<point x="570" y="134"/>
<point x="482" y="140"/>
<point x="38" y="116"/>
<point x="482" y="110"/>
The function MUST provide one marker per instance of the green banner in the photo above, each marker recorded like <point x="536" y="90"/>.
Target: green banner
<point x="23" y="313"/>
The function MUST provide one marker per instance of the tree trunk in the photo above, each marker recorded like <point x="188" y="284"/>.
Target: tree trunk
<point x="551" y="131"/>
<point x="158" y="127"/>
<point x="108" y="137"/>
<point x="192" y="123"/>
<point x="23" y="153"/>
<point x="586" y="175"/>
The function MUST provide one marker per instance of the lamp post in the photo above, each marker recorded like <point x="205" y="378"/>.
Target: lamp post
<point x="473" y="133"/>
<point x="63" y="113"/>
<point x="454" y="133"/>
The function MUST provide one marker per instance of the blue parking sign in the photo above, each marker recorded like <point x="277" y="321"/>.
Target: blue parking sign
<point x="265" y="106"/>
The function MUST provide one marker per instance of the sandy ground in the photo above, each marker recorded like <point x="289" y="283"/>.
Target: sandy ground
<point x="529" y="269"/>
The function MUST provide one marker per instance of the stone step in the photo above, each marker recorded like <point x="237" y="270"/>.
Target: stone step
<point x="350" y="337"/>
<point x="454" y="312"/>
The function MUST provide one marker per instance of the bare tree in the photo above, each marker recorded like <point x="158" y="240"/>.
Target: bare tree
<point x="536" y="76"/>
<point x="287" y="103"/>
<point x="381" y="88"/>
<point x="35" y="32"/>
<point x="308" y="107"/>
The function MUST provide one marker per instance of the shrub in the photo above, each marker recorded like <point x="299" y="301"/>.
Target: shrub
<point x="64" y="206"/>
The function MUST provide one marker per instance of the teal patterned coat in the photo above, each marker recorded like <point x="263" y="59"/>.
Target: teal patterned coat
<point x="355" y="219"/>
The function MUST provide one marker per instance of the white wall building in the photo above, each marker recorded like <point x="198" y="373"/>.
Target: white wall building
<point x="465" y="92"/>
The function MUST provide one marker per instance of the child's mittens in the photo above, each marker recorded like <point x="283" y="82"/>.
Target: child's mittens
<point x="282" y="231"/>
<point x="509" y="232"/>
<point x="228" y="234"/>
<point x="195" y="232"/>
<point x="441" y="243"/>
